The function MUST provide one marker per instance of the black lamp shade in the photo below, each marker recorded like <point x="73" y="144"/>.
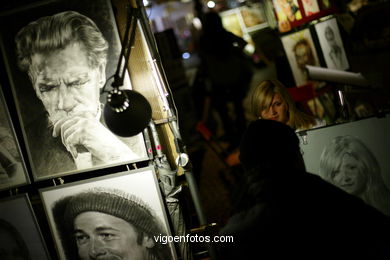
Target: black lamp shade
<point x="127" y="112"/>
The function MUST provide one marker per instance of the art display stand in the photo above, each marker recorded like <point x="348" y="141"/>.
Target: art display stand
<point x="182" y="165"/>
<point x="166" y="152"/>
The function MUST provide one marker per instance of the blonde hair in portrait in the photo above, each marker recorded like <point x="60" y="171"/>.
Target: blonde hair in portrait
<point x="362" y="175"/>
<point x="261" y="98"/>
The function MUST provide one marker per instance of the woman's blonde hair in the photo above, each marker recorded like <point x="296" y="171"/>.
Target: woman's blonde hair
<point x="261" y="98"/>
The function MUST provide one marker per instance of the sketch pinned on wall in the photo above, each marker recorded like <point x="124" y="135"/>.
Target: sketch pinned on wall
<point x="300" y="51"/>
<point x="57" y="93"/>
<point x="331" y="44"/>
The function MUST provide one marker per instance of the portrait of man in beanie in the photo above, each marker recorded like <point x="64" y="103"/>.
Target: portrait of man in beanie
<point x="102" y="220"/>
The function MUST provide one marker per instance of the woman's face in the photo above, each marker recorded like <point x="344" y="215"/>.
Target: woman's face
<point x="348" y="176"/>
<point x="277" y="110"/>
<point x="329" y="35"/>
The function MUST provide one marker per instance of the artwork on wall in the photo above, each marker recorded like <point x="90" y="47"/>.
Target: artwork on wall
<point x="353" y="156"/>
<point x="311" y="7"/>
<point x="253" y="17"/>
<point x="231" y="22"/>
<point x="58" y="93"/>
<point x="13" y="171"/>
<point x="21" y="237"/>
<point x="293" y="13"/>
<point x="300" y="51"/>
<point x="324" y="4"/>
<point x="129" y="204"/>
<point x="244" y="20"/>
<point x="287" y="12"/>
<point x="331" y="44"/>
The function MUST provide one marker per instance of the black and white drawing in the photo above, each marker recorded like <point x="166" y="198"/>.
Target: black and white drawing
<point x="354" y="157"/>
<point x="118" y="216"/>
<point x="20" y="235"/>
<point x="331" y="44"/>
<point x="59" y="56"/>
<point x="12" y="168"/>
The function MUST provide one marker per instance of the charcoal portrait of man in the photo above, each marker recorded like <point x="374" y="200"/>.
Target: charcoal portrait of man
<point x="66" y="60"/>
<point x="104" y="223"/>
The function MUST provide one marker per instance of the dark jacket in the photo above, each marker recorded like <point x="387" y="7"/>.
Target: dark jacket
<point x="297" y="215"/>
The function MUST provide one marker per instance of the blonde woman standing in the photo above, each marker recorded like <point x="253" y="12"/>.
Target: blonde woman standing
<point x="271" y="100"/>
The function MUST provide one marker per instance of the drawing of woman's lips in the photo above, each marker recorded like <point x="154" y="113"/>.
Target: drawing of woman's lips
<point x="347" y="185"/>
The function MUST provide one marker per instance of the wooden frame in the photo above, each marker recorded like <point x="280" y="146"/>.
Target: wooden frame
<point x="49" y="158"/>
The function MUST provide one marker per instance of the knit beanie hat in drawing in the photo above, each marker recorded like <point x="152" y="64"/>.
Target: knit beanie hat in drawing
<point x="116" y="203"/>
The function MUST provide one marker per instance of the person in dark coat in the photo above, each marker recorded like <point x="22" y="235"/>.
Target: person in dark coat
<point x="227" y="72"/>
<point x="285" y="212"/>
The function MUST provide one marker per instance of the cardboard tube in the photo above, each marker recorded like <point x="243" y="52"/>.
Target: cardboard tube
<point x="338" y="76"/>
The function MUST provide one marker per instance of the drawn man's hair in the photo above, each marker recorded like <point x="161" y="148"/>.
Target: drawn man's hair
<point x="113" y="202"/>
<point x="55" y="32"/>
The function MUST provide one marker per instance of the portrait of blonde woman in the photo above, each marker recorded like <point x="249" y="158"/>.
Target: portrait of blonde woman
<point x="350" y="165"/>
<point x="271" y="100"/>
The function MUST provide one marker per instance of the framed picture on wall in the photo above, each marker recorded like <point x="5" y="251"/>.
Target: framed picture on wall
<point x="13" y="171"/>
<point x="231" y="20"/>
<point x="59" y="55"/>
<point x="129" y="205"/>
<point x="311" y="7"/>
<point x="332" y="44"/>
<point x="21" y="237"/>
<point x="253" y="17"/>
<point x="300" y="51"/>
<point x="293" y="13"/>
<point x="353" y="156"/>
<point x="287" y="13"/>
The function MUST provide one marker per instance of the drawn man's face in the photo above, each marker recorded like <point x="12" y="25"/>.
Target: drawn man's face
<point x="348" y="175"/>
<point x="102" y="236"/>
<point x="303" y="55"/>
<point x="65" y="83"/>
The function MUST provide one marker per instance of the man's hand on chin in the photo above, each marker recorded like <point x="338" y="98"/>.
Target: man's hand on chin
<point x="84" y="131"/>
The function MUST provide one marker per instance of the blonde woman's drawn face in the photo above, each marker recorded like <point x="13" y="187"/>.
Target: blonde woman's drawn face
<point x="348" y="175"/>
<point x="278" y="110"/>
<point x="329" y="34"/>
